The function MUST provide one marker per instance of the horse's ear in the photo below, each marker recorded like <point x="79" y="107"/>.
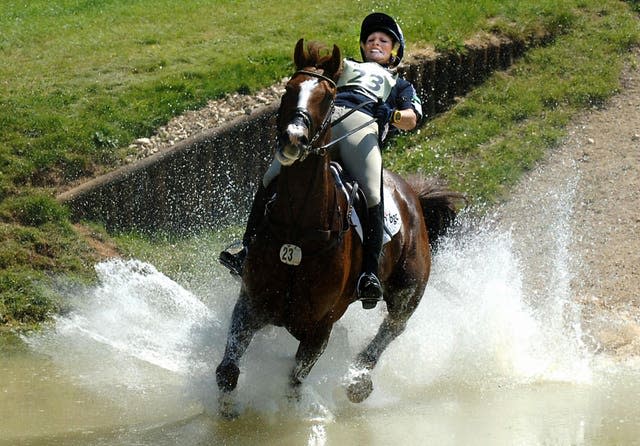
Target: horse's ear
<point x="299" y="57"/>
<point x="333" y="67"/>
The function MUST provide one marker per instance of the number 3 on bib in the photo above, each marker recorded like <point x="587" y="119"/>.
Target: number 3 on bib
<point x="368" y="76"/>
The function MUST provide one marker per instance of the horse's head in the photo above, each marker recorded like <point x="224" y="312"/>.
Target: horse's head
<point x="305" y="110"/>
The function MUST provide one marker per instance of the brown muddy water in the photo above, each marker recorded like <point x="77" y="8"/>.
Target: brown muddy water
<point x="496" y="354"/>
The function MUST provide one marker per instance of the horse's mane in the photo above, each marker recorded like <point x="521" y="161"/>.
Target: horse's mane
<point x="314" y="53"/>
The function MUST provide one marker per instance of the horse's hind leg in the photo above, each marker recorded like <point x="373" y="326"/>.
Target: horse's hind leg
<point x="360" y="384"/>
<point x="244" y="324"/>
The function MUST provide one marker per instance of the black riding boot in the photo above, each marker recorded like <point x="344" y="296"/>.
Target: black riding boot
<point x="234" y="258"/>
<point x="369" y="288"/>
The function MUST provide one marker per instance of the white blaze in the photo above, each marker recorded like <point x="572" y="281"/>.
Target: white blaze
<point x="297" y="132"/>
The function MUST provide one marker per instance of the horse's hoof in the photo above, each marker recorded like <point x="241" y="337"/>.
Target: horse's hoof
<point x="360" y="388"/>
<point x="227" y="376"/>
<point x="294" y="393"/>
<point x="369" y="304"/>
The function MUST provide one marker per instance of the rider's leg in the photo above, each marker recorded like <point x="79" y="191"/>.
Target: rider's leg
<point x="369" y="287"/>
<point x="361" y="156"/>
<point x="235" y="260"/>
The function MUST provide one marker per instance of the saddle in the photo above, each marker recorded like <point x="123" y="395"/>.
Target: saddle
<point x="355" y="196"/>
<point x="356" y="207"/>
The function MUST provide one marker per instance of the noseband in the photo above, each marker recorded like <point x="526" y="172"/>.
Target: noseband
<point x="304" y="116"/>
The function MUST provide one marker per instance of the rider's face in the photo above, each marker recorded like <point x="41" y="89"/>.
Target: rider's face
<point x="377" y="47"/>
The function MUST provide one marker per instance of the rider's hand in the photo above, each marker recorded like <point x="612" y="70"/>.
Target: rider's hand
<point x="383" y="113"/>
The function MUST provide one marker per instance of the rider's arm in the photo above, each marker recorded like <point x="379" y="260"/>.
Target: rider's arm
<point x="408" y="120"/>
<point x="407" y="102"/>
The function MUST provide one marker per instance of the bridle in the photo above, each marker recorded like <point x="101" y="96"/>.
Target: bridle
<point x="303" y="115"/>
<point x="316" y="74"/>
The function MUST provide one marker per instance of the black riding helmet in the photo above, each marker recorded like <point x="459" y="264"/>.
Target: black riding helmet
<point x="382" y="22"/>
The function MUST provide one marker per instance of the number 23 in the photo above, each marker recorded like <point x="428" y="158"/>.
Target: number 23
<point x="371" y="82"/>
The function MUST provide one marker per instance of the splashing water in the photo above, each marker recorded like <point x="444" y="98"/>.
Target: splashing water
<point x="498" y="309"/>
<point x="480" y="324"/>
<point x="134" y="324"/>
<point x="476" y="327"/>
<point x="141" y="313"/>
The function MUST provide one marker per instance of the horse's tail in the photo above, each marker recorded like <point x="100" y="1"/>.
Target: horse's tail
<point x="439" y="204"/>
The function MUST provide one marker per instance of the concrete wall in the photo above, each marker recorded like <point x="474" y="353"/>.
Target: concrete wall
<point x="208" y="180"/>
<point x="202" y="181"/>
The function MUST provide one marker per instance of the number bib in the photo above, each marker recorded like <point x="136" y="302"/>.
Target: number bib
<point x="290" y="254"/>
<point x="369" y="76"/>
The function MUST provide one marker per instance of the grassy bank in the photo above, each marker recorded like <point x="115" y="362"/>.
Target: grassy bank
<point x="81" y="79"/>
<point x="504" y="127"/>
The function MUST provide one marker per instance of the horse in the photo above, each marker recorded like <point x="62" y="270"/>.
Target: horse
<point x="301" y="269"/>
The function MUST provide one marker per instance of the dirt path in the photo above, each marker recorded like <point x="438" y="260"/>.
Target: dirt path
<point x="600" y="160"/>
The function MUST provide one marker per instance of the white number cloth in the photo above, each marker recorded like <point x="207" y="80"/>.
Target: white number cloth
<point x="369" y="76"/>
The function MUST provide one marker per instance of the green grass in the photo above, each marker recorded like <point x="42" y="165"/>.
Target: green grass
<point x="502" y="128"/>
<point x="80" y="79"/>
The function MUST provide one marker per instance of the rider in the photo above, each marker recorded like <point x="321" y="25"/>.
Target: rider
<point x="372" y="88"/>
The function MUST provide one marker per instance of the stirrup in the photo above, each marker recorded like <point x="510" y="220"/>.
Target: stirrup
<point x="233" y="257"/>
<point x="369" y="290"/>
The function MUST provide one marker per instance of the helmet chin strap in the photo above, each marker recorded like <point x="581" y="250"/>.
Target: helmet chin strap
<point x="394" y="50"/>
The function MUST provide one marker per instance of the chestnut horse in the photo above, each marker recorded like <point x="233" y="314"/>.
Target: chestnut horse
<point x="301" y="269"/>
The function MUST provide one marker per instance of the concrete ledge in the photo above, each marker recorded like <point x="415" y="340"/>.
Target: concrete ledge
<point x="202" y="181"/>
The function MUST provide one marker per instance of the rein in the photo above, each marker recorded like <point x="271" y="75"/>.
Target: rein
<point x="304" y="114"/>
<point x="343" y="225"/>
<point x="349" y="133"/>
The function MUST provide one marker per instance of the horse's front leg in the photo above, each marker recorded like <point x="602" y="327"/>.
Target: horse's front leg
<point x="244" y="324"/>
<point x="310" y="349"/>
<point x="360" y="384"/>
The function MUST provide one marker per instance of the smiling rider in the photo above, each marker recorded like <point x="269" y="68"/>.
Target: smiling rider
<point x="374" y="90"/>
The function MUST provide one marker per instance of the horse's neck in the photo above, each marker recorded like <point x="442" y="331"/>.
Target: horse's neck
<point x="305" y="192"/>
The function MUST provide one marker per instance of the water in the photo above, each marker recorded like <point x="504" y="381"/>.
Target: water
<point x="496" y="354"/>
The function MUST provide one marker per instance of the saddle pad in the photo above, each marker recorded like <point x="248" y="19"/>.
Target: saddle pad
<point x="392" y="218"/>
